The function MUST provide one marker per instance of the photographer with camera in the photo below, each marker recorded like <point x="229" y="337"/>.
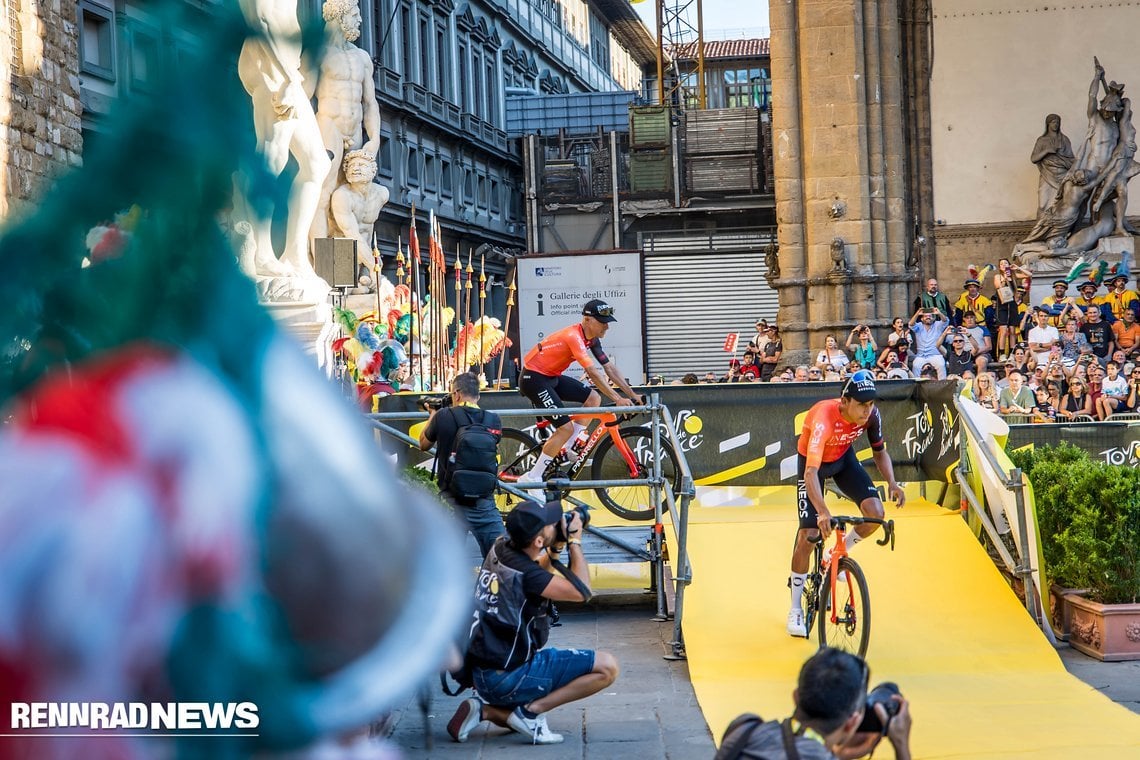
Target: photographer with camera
<point x="518" y="680"/>
<point x="466" y="457"/>
<point x="835" y="717"/>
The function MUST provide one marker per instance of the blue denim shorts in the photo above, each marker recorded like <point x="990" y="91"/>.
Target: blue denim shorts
<point x="547" y="671"/>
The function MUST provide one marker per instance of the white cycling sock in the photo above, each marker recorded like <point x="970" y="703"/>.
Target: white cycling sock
<point x="798" y="590"/>
<point x="577" y="429"/>
<point x="535" y="472"/>
<point x="851" y="539"/>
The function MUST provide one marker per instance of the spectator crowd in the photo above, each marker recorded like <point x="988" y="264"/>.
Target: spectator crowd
<point x="1074" y="355"/>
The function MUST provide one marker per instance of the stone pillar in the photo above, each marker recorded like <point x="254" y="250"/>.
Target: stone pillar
<point x="40" y="111"/>
<point x="839" y="145"/>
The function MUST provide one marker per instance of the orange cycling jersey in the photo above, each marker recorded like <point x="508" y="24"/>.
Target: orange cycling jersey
<point x="827" y="436"/>
<point x="557" y="351"/>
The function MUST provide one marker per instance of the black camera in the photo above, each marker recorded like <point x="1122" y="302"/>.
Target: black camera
<point x="880" y="695"/>
<point x="435" y="403"/>
<point x="562" y="529"/>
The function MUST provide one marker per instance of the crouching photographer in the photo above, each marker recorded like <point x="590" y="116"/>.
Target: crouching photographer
<point x="835" y="716"/>
<point x="466" y="457"/>
<point x="516" y="678"/>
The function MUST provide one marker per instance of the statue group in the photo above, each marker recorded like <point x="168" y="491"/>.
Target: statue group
<point x="332" y="193"/>
<point x="1083" y="195"/>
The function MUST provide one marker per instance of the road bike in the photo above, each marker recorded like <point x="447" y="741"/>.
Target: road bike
<point x="613" y="453"/>
<point x="835" y="589"/>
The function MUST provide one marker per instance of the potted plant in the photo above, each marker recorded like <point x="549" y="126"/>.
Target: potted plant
<point x="1088" y="516"/>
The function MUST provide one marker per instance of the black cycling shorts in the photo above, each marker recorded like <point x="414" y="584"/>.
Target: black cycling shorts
<point x="546" y="392"/>
<point x="847" y="473"/>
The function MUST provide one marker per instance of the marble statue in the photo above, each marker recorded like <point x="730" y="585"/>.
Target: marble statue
<point x="356" y="204"/>
<point x="270" y="68"/>
<point x="1089" y="202"/>
<point x="346" y="102"/>
<point x="1113" y="179"/>
<point x="1053" y="155"/>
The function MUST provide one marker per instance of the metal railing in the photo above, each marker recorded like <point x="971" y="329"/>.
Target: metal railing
<point x="662" y="498"/>
<point x="1013" y="482"/>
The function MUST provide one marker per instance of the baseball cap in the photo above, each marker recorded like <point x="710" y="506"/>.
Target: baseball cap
<point x="599" y="310"/>
<point x="527" y="520"/>
<point x="861" y="387"/>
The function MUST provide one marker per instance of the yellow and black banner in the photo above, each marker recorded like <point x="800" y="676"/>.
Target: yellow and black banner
<point x="746" y="433"/>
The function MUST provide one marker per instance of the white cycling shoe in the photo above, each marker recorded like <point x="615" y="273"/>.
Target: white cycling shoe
<point x="796" y="625"/>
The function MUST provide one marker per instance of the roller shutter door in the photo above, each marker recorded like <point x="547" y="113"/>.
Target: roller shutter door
<point x="698" y="289"/>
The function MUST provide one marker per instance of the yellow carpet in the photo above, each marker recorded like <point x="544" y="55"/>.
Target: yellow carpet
<point x="982" y="680"/>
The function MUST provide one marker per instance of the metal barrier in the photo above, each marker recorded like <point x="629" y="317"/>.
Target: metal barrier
<point x="1013" y="482"/>
<point x="661" y="497"/>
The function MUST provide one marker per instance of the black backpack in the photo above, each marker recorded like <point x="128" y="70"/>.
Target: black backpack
<point x="472" y="466"/>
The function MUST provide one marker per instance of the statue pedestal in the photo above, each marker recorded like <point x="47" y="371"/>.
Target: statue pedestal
<point x="1112" y="249"/>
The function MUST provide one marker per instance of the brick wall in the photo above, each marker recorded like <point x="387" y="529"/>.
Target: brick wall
<point x="40" y="132"/>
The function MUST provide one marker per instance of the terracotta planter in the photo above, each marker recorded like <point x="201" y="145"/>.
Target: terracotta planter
<point x="1062" y="617"/>
<point x="1109" y="632"/>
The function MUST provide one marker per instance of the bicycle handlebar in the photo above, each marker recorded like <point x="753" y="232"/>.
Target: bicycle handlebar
<point x="845" y="520"/>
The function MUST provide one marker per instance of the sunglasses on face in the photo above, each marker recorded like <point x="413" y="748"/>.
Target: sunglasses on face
<point x="603" y="311"/>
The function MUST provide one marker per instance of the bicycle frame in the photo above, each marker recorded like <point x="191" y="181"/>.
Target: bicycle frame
<point x="839" y="551"/>
<point x="608" y="425"/>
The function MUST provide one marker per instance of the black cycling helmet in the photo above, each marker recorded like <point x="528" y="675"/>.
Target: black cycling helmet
<point x="861" y="386"/>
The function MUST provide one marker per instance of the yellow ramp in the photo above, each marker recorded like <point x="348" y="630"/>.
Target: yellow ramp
<point x="982" y="680"/>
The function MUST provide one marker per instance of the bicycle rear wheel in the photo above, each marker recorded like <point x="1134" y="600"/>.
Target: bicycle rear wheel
<point x="633" y="502"/>
<point x="851" y="630"/>
<point x="517" y="454"/>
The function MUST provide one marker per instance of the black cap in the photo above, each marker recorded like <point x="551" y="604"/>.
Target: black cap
<point x="527" y="520"/>
<point x="599" y="310"/>
<point x="861" y="387"/>
<point x="1061" y="282"/>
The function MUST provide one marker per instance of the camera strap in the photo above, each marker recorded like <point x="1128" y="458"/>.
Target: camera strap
<point x="575" y="581"/>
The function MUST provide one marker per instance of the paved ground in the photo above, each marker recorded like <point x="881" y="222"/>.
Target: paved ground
<point x="651" y="711"/>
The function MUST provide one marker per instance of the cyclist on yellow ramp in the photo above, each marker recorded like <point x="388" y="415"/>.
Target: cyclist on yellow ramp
<point x="544" y="384"/>
<point x="825" y="451"/>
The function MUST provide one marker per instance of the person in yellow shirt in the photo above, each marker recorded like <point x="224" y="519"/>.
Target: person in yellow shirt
<point x="1120" y="298"/>
<point x="1088" y="297"/>
<point x="1059" y="304"/>
<point x="972" y="300"/>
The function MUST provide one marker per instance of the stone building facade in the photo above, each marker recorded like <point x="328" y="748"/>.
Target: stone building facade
<point x="40" y="111"/>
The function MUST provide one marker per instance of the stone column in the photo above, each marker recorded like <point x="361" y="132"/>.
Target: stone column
<point x="40" y="112"/>
<point x="839" y="145"/>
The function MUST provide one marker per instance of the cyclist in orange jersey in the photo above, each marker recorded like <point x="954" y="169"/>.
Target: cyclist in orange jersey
<point x="544" y="384"/>
<point x="825" y="451"/>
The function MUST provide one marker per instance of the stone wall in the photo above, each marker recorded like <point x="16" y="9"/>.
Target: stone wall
<point x="840" y="146"/>
<point x="40" y="129"/>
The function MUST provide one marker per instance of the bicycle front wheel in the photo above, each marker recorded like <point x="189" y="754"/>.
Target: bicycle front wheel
<point x="851" y="628"/>
<point x="517" y="453"/>
<point x="633" y="502"/>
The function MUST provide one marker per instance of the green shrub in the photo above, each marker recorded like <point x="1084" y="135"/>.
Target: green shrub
<point x="1088" y="516"/>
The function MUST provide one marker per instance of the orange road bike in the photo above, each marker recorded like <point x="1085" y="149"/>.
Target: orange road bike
<point x="613" y="453"/>
<point x="835" y="591"/>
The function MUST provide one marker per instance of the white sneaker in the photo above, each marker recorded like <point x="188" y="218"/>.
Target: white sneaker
<point x="842" y="577"/>
<point x="535" y="728"/>
<point x="796" y="625"/>
<point x="469" y="715"/>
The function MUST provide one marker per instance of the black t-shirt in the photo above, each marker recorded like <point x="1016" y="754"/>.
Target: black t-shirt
<point x="443" y="425"/>
<point x="1098" y="336"/>
<point x="535" y="581"/>
<point x="957" y="363"/>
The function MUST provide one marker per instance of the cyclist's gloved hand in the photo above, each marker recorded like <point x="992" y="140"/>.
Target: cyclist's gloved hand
<point x="623" y="401"/>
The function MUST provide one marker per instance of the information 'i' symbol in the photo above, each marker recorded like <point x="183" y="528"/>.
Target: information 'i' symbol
<point x="540" y="305"/>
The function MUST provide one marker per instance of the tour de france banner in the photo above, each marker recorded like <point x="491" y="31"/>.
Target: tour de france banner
<point x="1112" y="442"/>
<point x="745" y="434"/>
